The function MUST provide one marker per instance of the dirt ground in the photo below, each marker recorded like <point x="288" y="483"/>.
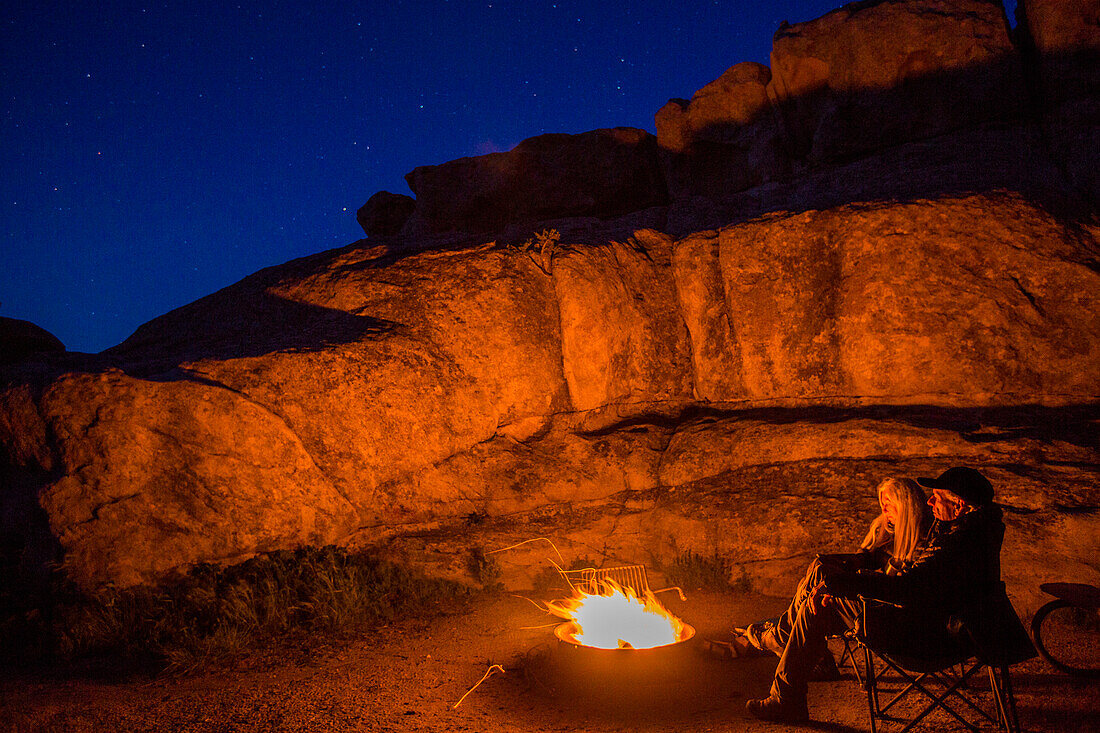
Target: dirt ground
<point x="408" y="677"/>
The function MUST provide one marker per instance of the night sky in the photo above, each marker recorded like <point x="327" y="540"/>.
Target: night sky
<point x="154" y="153"/>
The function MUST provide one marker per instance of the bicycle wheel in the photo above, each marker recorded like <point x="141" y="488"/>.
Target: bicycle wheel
<point x="1068" y="637"/>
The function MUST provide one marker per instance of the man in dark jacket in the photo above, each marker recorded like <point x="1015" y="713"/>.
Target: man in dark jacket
<point x="958" y="567"/>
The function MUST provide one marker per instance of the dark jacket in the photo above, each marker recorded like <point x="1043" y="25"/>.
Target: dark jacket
<point x="960" y="562"/>
<point x="956" y="577"/>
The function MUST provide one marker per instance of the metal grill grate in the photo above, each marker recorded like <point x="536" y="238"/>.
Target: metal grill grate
<point x="588" y="580"/>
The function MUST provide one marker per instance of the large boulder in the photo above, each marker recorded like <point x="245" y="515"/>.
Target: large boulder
<point x="879" y="72"/>
<point x="724" y="139"/>
<point x="1065" y="36"/>
<point x="157" y="474"/>
<point x="602" y="173"/>
<point x="1063" y="41"/>
<point x="385" y="213"/>
<point x="351" y="373"/>
<point x="974" y="300"/>
<point x="735" y="99"/>
<point x="21" y="339"/>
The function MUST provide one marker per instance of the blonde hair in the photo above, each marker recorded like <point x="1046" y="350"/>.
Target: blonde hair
<point x="912" y="520"/>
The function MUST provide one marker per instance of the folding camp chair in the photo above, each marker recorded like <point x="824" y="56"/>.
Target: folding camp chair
<point x="848" y="657"/>
<point x="989" y="635"/>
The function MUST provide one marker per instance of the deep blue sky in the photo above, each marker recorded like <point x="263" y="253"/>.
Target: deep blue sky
<point x="153" y="153"/>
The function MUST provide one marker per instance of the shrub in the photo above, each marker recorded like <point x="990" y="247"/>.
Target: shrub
<point x="215" y="613"/>
<point x="690" y="570"/>
<point x="541" y="247"/>
<point x="484" y="569"/>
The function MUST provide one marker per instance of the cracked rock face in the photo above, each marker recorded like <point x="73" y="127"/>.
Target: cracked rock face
<point x="895" y="302"/>
<point x="365" y="396"/>
<point x="868" y="75"/>
<point x="737" y="383"/>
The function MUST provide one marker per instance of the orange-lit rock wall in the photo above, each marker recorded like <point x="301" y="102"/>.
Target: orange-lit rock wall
<point x="728" y="369"/>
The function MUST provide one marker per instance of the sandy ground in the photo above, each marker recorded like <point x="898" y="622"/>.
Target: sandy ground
<point x="408" y="677"/>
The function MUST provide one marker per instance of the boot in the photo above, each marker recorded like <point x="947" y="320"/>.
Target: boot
<point x="779" y="711"/>
<point x="825" y="670"/>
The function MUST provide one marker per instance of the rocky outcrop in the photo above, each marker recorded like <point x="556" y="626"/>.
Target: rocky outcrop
<point x="1065" y="37"/>
<point x="733" y="372"/>
<point x="21" y="339"/>
<point x="724" y="139"/>
<point x="737" y="98"/>
<point x="385" y="213"/>
<point x="157" y="474"/>
<point x="602" y="173"/>
<point x="765" y="489"/>
<point x="900" y="301"/>
<point x="1061" y="40"/>
<point x="879" y="72"/>
<point x="354" y="396"/>
<point x="860" y="81"/>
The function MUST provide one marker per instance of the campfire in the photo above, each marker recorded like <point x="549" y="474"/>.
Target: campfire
<point x="617" y="640"/>
<point x="610" y="613"/>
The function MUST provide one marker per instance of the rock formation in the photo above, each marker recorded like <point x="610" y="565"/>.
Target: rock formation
<point x="21" y="339"/>
<point x="726" y="138"/>
<point x="735" y="378"/>
<point x="385" y="213"/>
<point x="603" y="173"/>
<point x="1065" y="36"/>
<point x="876" y="73"/>
<point x="1062" y="42"/>
<point x="895" y="302"/>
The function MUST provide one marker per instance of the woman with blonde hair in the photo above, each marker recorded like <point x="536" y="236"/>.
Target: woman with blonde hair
<point x="903" y="524"/>
<point x="893" y="540"/>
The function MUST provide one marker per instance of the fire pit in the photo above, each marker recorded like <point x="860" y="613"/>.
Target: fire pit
<point x="619" y="639"/>
<point x="613" y="671"/>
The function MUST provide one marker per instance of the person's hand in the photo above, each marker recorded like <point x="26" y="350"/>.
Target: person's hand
<point x="819" y="598"/>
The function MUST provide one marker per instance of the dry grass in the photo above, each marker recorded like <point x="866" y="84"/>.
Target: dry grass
<point x="216" y="614"/>
<point x="699" y="572"/>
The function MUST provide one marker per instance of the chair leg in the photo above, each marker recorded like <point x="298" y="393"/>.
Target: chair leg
<point x="848" y="659"/>
<point x="998" y="698"/>
<point x="939" y="701"/>
<point x="1012" y="721"/>
<point x="850" y="654"/>
<point x="870" y="684"/>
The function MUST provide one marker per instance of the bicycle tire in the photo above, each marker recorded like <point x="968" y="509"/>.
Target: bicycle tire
<point x="1037" y="636"/>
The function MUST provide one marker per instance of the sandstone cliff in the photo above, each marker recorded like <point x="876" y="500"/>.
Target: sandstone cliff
<point x="681" y="367"/>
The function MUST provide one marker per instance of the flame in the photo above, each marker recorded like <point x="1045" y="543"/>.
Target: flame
<point x="616" y="617"/>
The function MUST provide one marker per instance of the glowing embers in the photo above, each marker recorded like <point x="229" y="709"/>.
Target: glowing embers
<point x="607" y="615"/>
